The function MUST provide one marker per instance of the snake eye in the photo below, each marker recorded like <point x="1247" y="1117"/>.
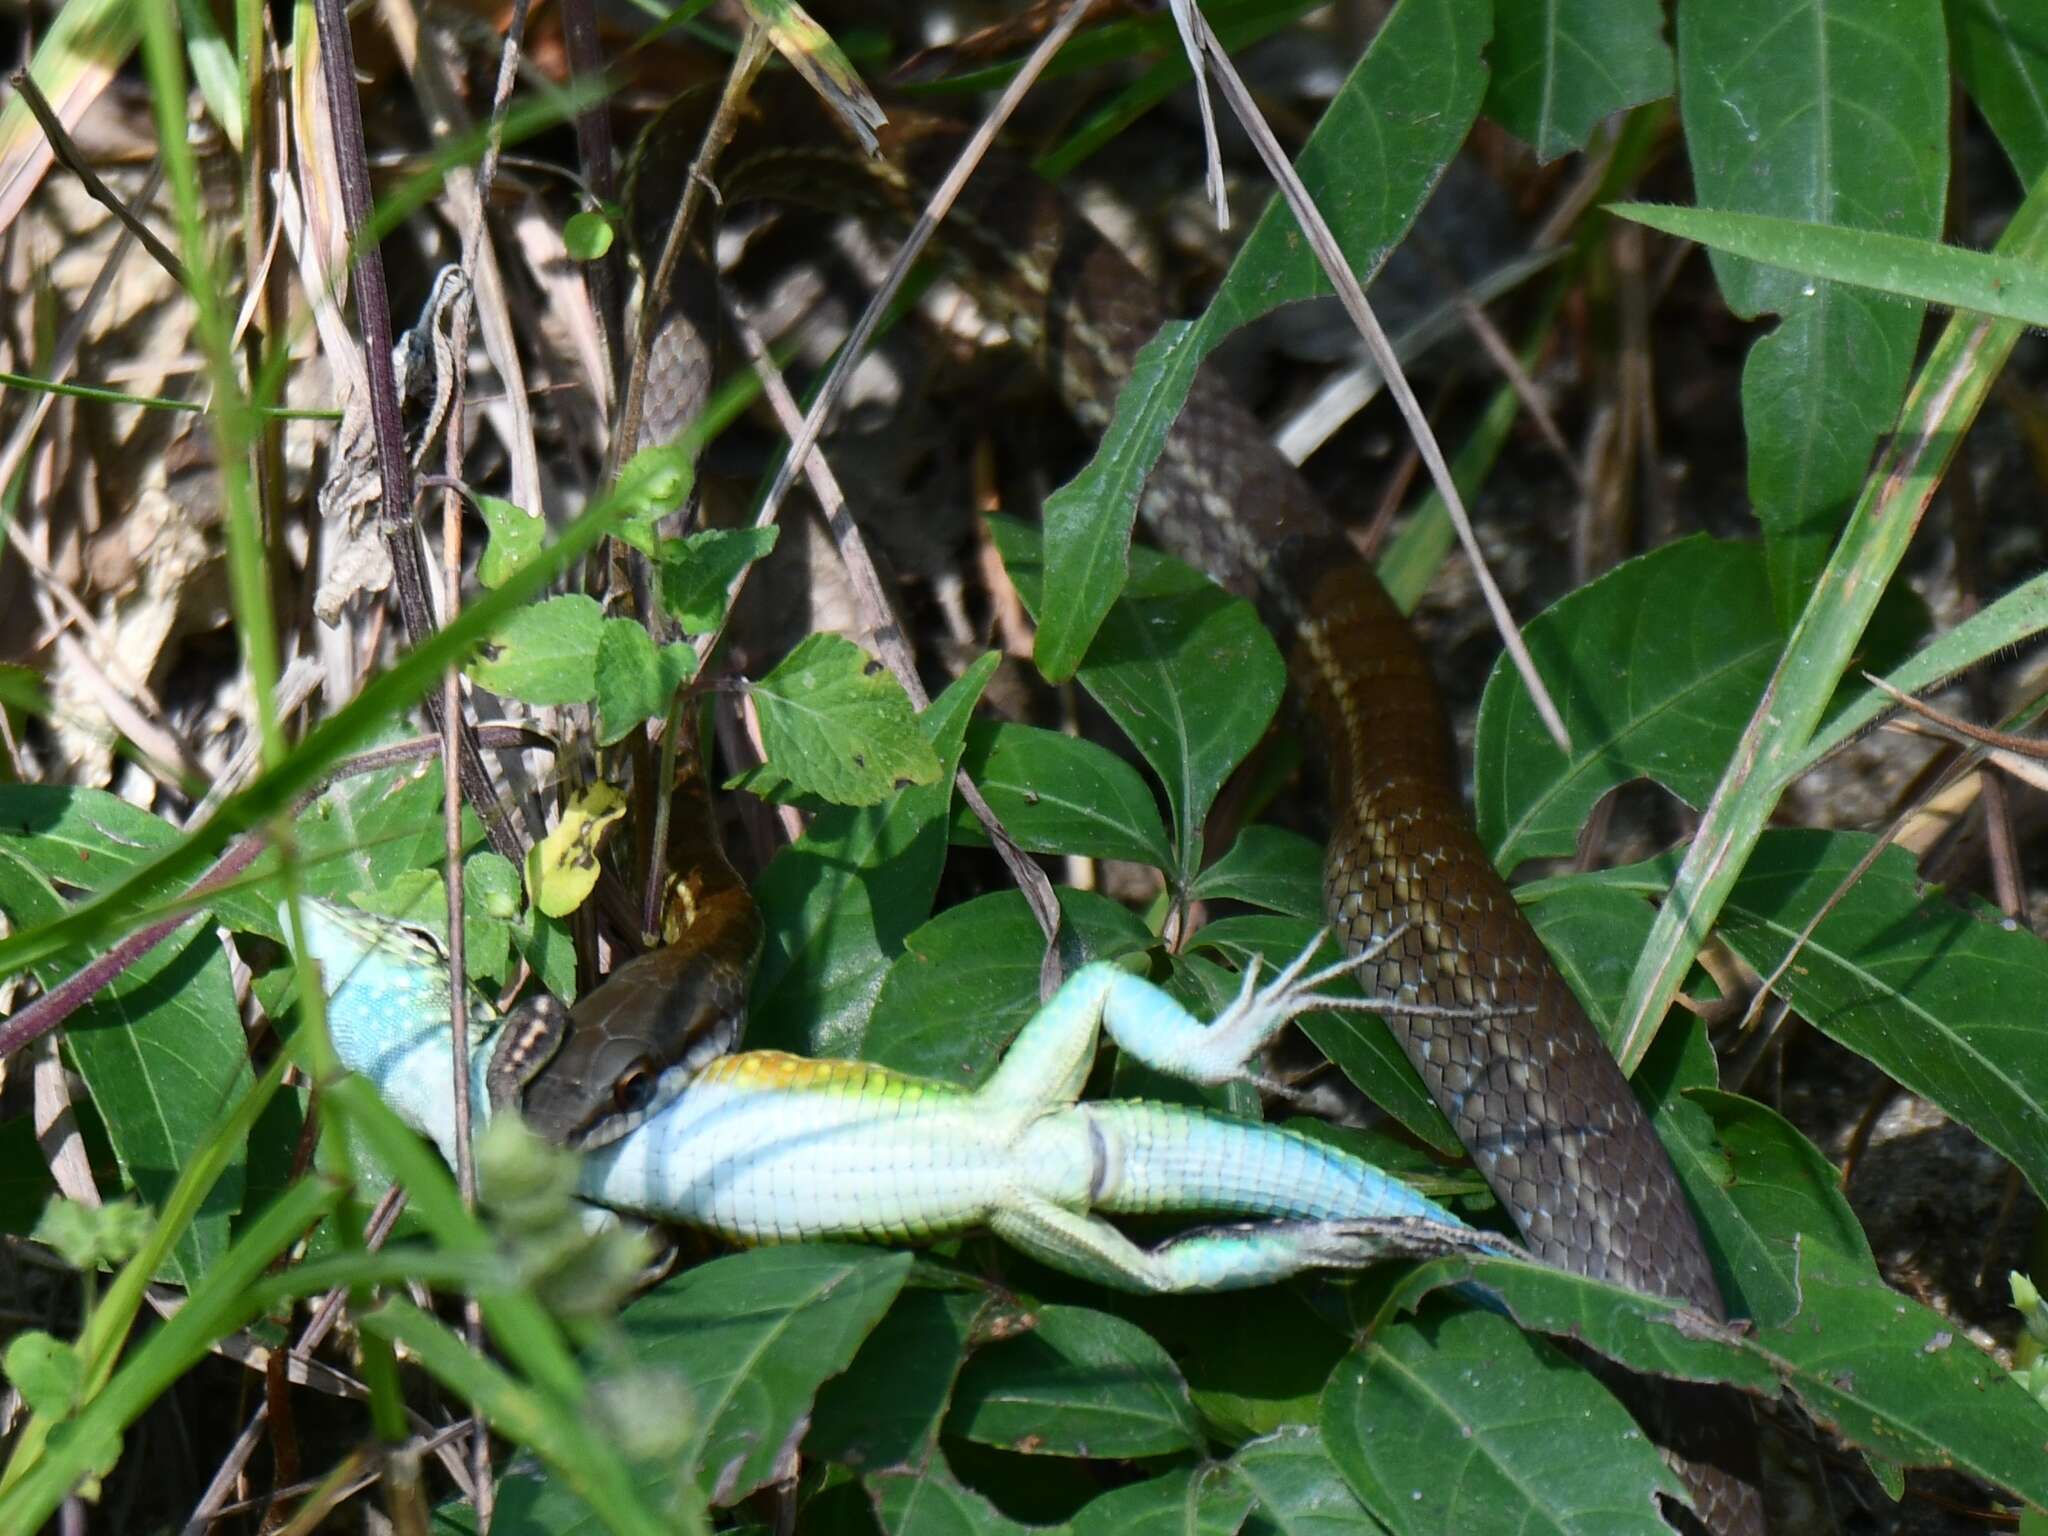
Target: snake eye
<point x="634" y="1089"/>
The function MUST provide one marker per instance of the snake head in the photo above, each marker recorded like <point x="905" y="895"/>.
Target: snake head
<point x="629" y="1048"/>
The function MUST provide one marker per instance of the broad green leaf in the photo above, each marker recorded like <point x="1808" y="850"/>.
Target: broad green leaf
<point x="1897" y="265"/>
<point x="753" y="1336"/>
<point x="546" y="654"/>
<point x="2001" y="56"/>
<point x="418" y="898"/>
<point x="1372" y="160"/>
<point x="838" y="903"/>
<point x="1655" y="665"/>
<point x="636" y="680"/>
<point x="89" y="839"/>
<point x="1458" y="1423"/>
<point x="1560" y="66"/>
<point x="1060" y="794"/>
<point x="1786" y="1193"/>
<point x="695" y="571"/>
<point x="1946" y="1000"/>
<point x="834" y="723"/>
<point x="1268" y="867"/>
<point x="1839" y="115"/>
<point x="1254" y="1360"/>
<point x="967" y="981"/>
<point x="1745" y="1248"/>
<point x="1083" y="1383"/>
<point x="1891" y="1376"/>
<point x="1594" y="932"/>
<point x="885" y="1412"/>
<point x="1299" y="1490"/>
<point x="1900" y="1380"/>
<point x="932" y="1501"/>
<point x="515" y="535"/>
<point x="1188" y="1501"/>
<point x="1155" y="666"/>
<point x="25" y="1182"/>
<point x="161" y="1050"/>
<point x="1753" y="1194"/>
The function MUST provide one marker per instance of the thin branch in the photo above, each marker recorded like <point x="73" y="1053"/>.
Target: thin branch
<point x="68" y="156"/>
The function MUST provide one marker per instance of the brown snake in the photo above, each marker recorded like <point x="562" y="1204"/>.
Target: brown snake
<point x="1534" y="1094"/>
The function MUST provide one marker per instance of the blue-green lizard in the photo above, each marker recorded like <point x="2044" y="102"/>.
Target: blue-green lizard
<point x="761" y="1146"/>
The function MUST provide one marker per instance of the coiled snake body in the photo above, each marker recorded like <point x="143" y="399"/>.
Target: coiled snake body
<point x="1534" y="1094"/>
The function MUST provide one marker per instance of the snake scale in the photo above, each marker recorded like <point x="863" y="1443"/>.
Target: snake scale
<point x="1533" y="1092"/>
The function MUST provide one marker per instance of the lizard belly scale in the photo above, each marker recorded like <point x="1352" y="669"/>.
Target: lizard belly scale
<point x="768" y="1147"/>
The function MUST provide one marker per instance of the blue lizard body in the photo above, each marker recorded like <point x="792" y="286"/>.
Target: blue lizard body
<point x="767" y="1147"/>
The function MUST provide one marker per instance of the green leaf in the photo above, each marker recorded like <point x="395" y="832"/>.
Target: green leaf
<point x="1268" y="867"/>
<point x="1593" y="931"/>
<point x="161" y="1049"/>
<point x="838" y="903"/>
<point x="90" y="840"/>
<point x="1560" y="66"/>
<point x="1944" y="1000"/>
<point x="1889" y="264"/>
<point x="1155" y="666"/>
<point x="1897" y="1378"/>
<point x="1889" y="1375"/>
<point x="1838" y="115"/>
<point x="932" y="1501"/>
<point x="696" y="571"/>
<point x="1188" y="1501"/>
<point x="1088" y="520"/>
<point x="1083" y="1383"/>
<point x="26" y="1187"/>
<point x="1255" y="1360"/>
<point x="1299" y="1490"/>
<point x="544" y="655"/>
<point x="587" y="235"/>
<point x="755" y="1335"/>
<point x="967" y="981"/>
<point x="636" y="681"/>
<point x="1060" y="794"/>
<point x="1372" y="160"/>
<point x="1656" y="665"/>
<point x="515" y="537"/>
<point x="1786" y="1192"/>
<point x="45" y="1370"/>
<point x="885" y="1412"/>
<point x="2001" y="56"/>
<point x="834" y="723"/>
<point x="1458" y="1423"/>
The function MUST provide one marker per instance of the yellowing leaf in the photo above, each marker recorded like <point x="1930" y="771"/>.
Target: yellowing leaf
<point x="561" y="869"/>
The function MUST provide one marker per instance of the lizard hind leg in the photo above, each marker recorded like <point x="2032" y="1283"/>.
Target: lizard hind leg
<point x="1225" y="1258"/>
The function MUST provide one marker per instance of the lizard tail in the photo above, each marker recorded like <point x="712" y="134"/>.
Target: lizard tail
<point x="1170" y="1157"/>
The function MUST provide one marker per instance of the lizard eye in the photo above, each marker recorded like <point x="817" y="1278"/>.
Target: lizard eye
<point x="634" y="1088"/>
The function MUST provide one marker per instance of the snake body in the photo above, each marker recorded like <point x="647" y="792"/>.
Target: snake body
<point x="1533" y="1092"/>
